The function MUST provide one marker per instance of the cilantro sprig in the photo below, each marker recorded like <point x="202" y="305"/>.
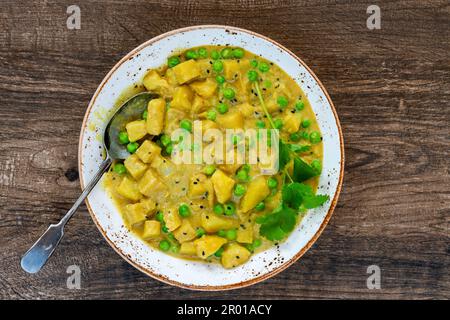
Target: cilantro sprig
<point x="296" y="196"/>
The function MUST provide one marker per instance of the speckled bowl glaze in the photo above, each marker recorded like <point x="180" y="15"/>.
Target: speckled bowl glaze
<point x="192" y="274"/>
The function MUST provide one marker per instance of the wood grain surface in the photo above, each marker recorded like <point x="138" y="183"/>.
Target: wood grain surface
<point x="391" y="88"/>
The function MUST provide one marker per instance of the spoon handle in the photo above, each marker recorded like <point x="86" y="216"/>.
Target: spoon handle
<point x="36" y="257"/>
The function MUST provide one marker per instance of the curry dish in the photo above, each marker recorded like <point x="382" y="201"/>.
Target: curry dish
<point x="217" y="212"/>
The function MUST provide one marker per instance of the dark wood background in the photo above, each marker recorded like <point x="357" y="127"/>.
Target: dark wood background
<point x="391" y="88"/>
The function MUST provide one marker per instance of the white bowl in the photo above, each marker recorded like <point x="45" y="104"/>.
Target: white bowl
<point x="192" y="274"/>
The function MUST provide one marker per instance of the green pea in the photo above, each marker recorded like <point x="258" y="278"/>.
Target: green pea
<point x="202" y="52"/>
<point x="222" y="108"/>
<point x="184" y="210"/>
<point x="170" y="236"/>
<point x="306" y="123"/>
<point x="217" y="66"/>
<point x="123" y="137"/>
<point x="260" y="206"/>
<point x="209" y="169"/>
<point x="229" y="209"/>
<point x="211" y="115"/>
<point x="315" y="137"/>
<point x="173" y="61"/>
<point x="175" y="248"/>
<point x="228" y="93"/>
<point x="215" y="55"/>
<point x="119" y="168"/>
<point x="238" y="53"/>
<point x="164" y="245"/>
<point x="282" y="101"/>
<point x="254" y="63"/>
<point x="191" y="54"/>
<point x="186" y="125"/>
<point x="226" y="53"/>
<point x="272" y="183"/>
<point x="218" y="208"/>
<point x="165" y="140"/>
<point x="239" y="190"/>
<point x="132" y="147"/>
<point x="299" y="105"/>
<point x="296" y="136"/>
<point x="278" y="123"/>
<point x="257" y="243"/>
<point x="169" y="149"/>
<point x="200" y="232"/>
<point x="222" y="233"/>
<point x="252" y="75"/>
<point x="260" y="124"/>
<point x="159" y="216"/>
<point x="263" y="67"/>
<point x="305" y="135"/>
<point x="219" y="252"/>
<point x="145" y="115"/>
<point x="242" y="175"/>
<point x="231" y="234"/>
<point x="220" y="79"/>
<point x="316" y="165"/>
<point x="164" y="229"/>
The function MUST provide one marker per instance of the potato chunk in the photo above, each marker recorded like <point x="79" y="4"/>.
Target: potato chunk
<point x="138" y="212"/>
<point x="135" y="213"/>
<point x="246" y="109"/>
<point x="231" y="69"/>
<point x="186" y="71"/>
<point x="185" y="232"/>
<point x="128" y="188"/>
<point x="156" y="109"/>
<point x="245" y="235"/>
<point x="213" y="223"/>
<point x="182" y="98"/>
<point x="231" y="120"/>
<point x="197" y="185"/>
<point x="257" y="191"/>
<point x="172" y="219"/>
<point x="291" y="122"/>
<point x="152" y="229"/>
<point x="199" y="105"/>
<point x="136" y="130"/>
<point x="223" y="185"/>
<point x="155" y="83"/>
<point x="148" y="151"/>
<point x="150" y="183"/>
<point x="205" y="88"/>
<point x="135" y="166"/>
<point x="234" y="255"/>
<point x="188" y="249"/>
<point x="208" y="245"/>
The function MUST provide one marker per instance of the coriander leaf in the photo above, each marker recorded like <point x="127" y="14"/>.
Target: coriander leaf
<point x="276" y="225"/>
<point x="299" y="148"/>
<point x="303" y="171"/>
<point x="283" y="156"/>
<point x="296" y="195"/>
<point x="314" y="201"/>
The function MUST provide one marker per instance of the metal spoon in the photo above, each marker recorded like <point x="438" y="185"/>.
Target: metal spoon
<point x="36" y="257"/>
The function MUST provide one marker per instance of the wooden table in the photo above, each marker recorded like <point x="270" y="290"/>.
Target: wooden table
<point x="391" y="89"/>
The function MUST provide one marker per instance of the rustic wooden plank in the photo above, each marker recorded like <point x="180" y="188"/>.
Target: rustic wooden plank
<point x="391" y="89"/>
